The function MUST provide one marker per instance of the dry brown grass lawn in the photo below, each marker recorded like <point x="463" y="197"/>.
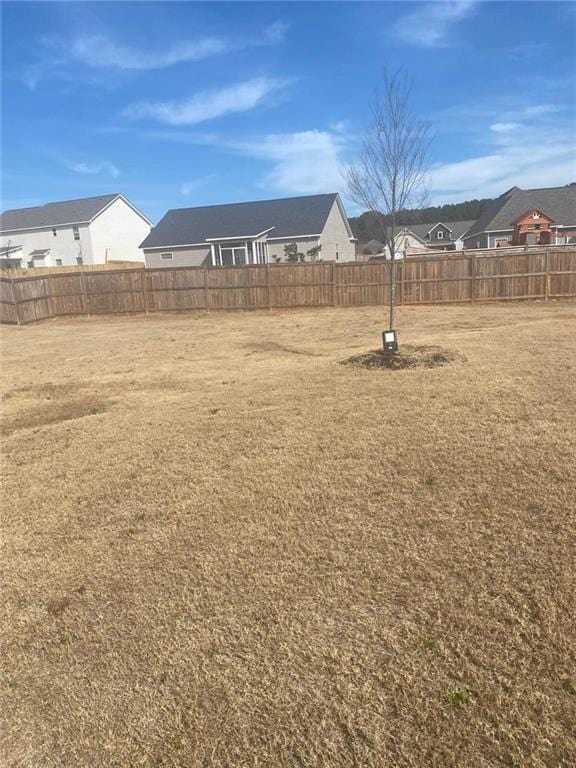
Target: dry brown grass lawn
<point x="222" y="548"/>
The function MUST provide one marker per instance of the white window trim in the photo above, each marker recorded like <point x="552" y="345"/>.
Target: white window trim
<point x="255" y="252"/>
<point x="167" y="256"/>
<point x="440" y="234"/>
<point x="234" y="248"/>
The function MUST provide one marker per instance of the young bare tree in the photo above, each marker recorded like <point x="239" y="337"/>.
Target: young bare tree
<point x="390" y="174"/>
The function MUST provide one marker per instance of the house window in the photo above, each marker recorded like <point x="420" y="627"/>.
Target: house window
<point x="58" y="262"/>
<point x="166" y="256"/>
<point x="228" y="256"/>
<point x="440" y="234"/>
<point x="54" y="233"/>
<point x="76" y="232"/>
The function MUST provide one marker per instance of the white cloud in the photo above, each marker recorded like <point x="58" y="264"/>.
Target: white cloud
<point x="525" y="158"/>
<point x="537" y="110"/>
<point x="504" y="127"/>
<point x="100" y="51"/>
<point x="188" y="187"/>
<point x="299" y="163"/>
<point x="207" y="105"/>
<point x="431" y="25"/>
<point x="99" y="55"/>
<point x="305" y="162"/>
<point x="105" y="167"/>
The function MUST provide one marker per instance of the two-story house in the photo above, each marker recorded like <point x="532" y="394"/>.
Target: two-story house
<point x="91" y="230"/>
<point x="555" y="210"/>
<point x="441" y="236"/>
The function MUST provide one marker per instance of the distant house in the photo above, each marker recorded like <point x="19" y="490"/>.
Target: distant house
<point x="442" y="236"/>
<point x="527" y="212"/>
<point x="91" y="230"/>
<point x="250" y="233"/>
<point x="416" y="239"/>
<point x="371" y="248"/>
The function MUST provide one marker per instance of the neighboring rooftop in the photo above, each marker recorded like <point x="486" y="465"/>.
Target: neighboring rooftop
<point x="559" y="203"/>
<point x="289" y="217"/>
<point x="54" y="214"/>
<point x="457" y="228"/>
<point x="81" y="211"/>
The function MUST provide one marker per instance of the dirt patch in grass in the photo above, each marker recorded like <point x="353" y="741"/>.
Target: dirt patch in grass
<point x="46" y="391"/>
<point x="53" y="412"/>
<point x="409" y="356"/>
<point x="274" y="347"/>
<point x="274" y="560"/>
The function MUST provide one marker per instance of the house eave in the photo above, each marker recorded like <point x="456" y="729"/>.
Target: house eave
<point x="239" y="237"/>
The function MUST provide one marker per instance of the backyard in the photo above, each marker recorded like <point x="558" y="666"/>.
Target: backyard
<point x="222" y="548"/>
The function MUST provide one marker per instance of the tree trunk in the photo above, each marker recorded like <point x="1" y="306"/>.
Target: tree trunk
<point x="392" y="248"/>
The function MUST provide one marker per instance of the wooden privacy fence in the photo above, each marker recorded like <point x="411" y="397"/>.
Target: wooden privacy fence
<point x="36" y="271"/>
<point x="549" y="273"/>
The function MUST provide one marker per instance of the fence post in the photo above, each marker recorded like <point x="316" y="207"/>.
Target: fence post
<point x="269" y="286"/>
<point x="401" y="265"/>
<point x="145" y="290"/>
<point x="472" y="258"/>
<point x="16" y="303"/>
<point x="547" y="275"/>
<point x="334" y="285"/>
<point x="205" y="288"/>
<point x="84" y="294"/>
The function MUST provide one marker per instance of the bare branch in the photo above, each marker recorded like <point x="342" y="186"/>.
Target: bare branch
<point x="390" y="173"/>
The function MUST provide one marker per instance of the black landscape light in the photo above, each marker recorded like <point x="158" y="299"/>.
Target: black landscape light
<point x="390" y="341"/>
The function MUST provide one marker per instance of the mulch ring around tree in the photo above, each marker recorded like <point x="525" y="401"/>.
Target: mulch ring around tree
<point x="408" y="356"/>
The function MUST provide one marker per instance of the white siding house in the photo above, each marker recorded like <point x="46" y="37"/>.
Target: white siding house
<point x="91" y="230"/>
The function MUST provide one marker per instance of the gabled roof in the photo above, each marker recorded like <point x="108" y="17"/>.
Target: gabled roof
<point x="68" y="212"/>
<point x="287" y="217"/>
<point x="457" y="228"/>
<point x="529" y="212"/>
<point x="557" y="202"/>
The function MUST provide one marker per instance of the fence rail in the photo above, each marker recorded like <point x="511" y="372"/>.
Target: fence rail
<point x="35" y="271"/>
<point x="549" y="273"/>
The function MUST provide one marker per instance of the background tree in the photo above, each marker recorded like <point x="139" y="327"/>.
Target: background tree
<point x="390" y="174"/>
<point x="366" y="228"/>
<point x="314" y="252"/>
<point x="291" y="252"/>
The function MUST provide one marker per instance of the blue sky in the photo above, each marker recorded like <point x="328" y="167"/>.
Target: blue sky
<point x="181" y="104"/>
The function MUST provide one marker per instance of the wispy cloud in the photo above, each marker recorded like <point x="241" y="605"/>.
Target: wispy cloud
<point x="297" y="163"/>
<point x="304" y="162"/>
<point x="430" y="26"/>
<point x="207" y="105"/>
<point x="59" y="58"/>
<point x="99" y="51"/>
<point x="105" y="168"/>
<point x="505" y="127"/>
<point x="528" y="156"/>
<point x="188" y="187"/>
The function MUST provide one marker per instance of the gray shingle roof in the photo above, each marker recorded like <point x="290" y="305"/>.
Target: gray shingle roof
<point x="290" y="217"/>
<point x="54" y="214"/>
<point x="558" y="202"/>
<point x="458" y="228"/>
